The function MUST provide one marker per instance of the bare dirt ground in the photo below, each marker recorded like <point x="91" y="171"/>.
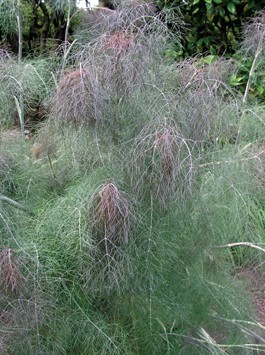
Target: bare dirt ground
<point x="256" y="280"/>
<point x="258" y="294"/>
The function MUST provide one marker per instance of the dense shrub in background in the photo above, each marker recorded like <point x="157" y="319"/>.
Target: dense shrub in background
<point x="213" y="26"/>
<point x="43" y="24"/>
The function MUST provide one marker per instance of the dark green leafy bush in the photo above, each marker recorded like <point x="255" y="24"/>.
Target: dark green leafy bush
<point x="213" y="26"/>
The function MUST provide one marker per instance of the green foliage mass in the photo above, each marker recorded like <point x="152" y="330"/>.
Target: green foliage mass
<point x="43" y="23"/>
<point x="30" y="83"/>
<point x="212" y="25"/>
<point x="120" y="217"/>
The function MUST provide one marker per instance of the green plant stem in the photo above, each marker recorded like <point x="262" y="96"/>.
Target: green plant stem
<point x="232" y="161"/>
<point x="253" y="66"/>
<point x="15" y="203"/>
<point x="247" y="244"/>
<point x="67" y="26"/>
<point x="20" y="111"/>
<point x="66" y="53"/>
<point x="52" y="171"/>
<point x="20" y="33"/>
<point x="68" y="21"/>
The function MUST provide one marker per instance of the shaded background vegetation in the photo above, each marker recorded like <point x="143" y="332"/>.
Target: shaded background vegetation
<point x="213" y="26"/>
<point x="44" y="24"/>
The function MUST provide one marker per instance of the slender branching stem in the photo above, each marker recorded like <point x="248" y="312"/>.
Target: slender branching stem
<point x="20" y="111"/>
<point x="14" y="203"/>
<point x="67" y="26"/>
<point x="246" y="244"/>
<point x="253" y="66"/>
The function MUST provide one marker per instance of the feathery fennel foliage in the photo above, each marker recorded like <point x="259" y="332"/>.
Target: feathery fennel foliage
<point x="137" y="186"/>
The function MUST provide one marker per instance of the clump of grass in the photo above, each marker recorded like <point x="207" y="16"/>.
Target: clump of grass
<point x="127" y="13"/>
<point x="79" y="97"/>
<point x="66" y="251"/>
<point x="22" y="317"/>
<point x="162" y="162"/>
<point x="45" y="143"/>
<point x="10" y="276"/>
<point x="24" y="176"/>
<point x="7" y="167"/>
<point x="205" y="106"/>
<point x="111" y="216"/>
<point x="208" y="75"/>
<point x="134" y="31"/>
<point x="125" y="44"/>
<point x="21" y="304"/>
<point x="111" y="213"/>
<point x="162" y="287"/>
<point x="23" y="89"/>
